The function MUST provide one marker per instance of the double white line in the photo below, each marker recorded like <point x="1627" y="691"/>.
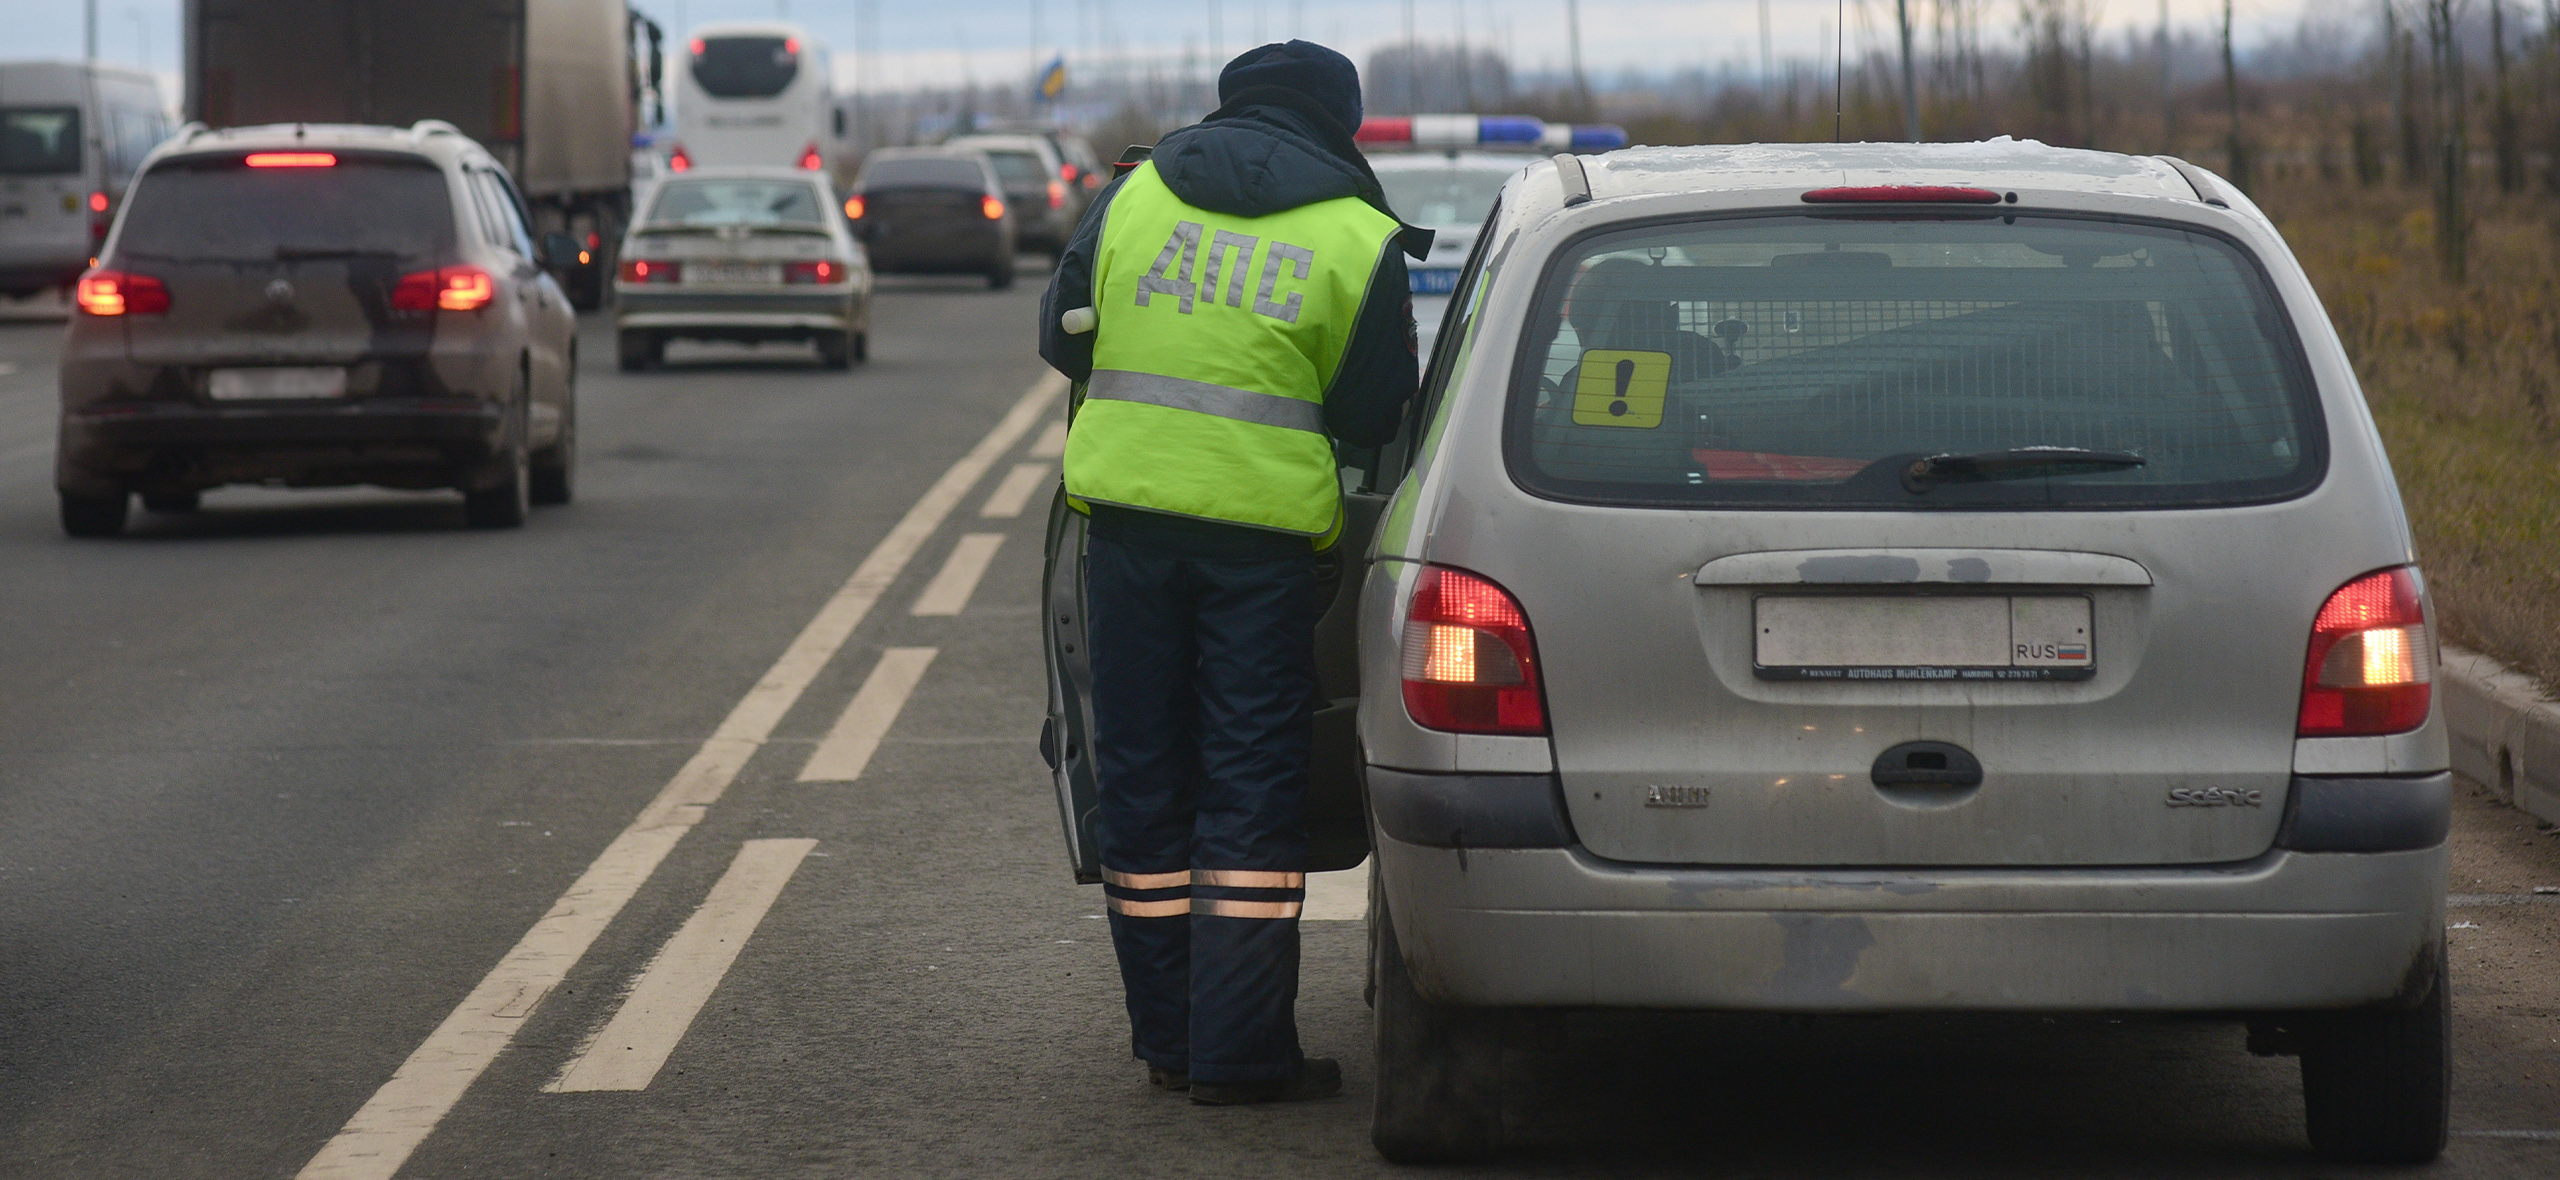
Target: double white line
<point x="401" y="1114"/>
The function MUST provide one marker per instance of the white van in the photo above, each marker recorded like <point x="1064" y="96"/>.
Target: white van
<point x="71" y="136"/>
<point x="756" y="95"/>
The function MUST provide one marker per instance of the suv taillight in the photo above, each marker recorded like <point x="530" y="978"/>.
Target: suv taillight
<point x="2372" y="665"/>
<point x="1470" y="665"/>
<point x="812" y="272"/>
<point x="1057" y="195"/>
<point x="115" y="292"/>
<point x="448" y="288"/>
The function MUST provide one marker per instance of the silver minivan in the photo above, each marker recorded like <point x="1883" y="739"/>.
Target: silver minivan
<point x="1880" y="578"/>
<point x="71" y="136"/>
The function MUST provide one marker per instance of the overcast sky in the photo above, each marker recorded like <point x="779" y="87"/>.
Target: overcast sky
<point x="922" y="42"/>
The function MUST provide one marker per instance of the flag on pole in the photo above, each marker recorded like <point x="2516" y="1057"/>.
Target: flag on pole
<point x="1052" y="81"/>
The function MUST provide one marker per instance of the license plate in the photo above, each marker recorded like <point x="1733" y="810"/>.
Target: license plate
<point x="1914" y="637"/>
<point x="268" y="384"/>
<point x="733" y="273"/>
<point x="1436" y="280"/>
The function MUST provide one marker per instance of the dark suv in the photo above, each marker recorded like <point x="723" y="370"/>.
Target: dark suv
<point x="316" y="306"/>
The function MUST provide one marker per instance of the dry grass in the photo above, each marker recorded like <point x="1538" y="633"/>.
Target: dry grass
<point x="2461" y="380"/>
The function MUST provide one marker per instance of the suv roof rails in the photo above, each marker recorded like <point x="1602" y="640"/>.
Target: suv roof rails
<point x="420" y="130"/>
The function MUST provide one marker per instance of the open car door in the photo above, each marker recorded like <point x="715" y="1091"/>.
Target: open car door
<point x="1337" y="827"/>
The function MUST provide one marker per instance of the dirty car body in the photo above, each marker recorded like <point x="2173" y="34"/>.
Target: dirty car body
<point x="1898" y="602"/>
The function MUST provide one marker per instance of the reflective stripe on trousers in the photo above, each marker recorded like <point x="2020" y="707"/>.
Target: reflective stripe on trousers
<point x="1201" y="397"/>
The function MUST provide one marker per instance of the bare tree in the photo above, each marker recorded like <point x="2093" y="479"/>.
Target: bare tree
<point x="2506" y="130"/>
<point x="2453" y="146"/>
<point x="2235" y="149"/>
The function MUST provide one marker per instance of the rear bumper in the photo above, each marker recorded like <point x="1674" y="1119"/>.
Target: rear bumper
<point x="398" y="441"/>
<point x="638" y="307"/>
<point x="1557" y="927"/>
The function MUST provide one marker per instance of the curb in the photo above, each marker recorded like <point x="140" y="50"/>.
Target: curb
<point x="2505" y="735"/>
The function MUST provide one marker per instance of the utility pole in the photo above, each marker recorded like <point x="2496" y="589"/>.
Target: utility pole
<point x="1412" y="64"/>
<point x="2168" y="88"/>
<point x="1910" y="80"/>
<point x="1581" y="84"/>
<point x="1764" y="50"/>
<point x="2237" y="153"/>
<point x="89" y="31"/>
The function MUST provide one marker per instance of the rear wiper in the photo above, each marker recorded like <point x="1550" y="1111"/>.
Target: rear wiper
<point x="312" y="253"/>
<point x="2015" y="463"/>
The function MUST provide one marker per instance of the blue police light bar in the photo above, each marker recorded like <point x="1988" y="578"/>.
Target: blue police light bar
<point x="1488" y="131"/>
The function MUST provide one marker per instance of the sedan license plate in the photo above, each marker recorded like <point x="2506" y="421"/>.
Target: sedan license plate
<point x="243" y="385"/>
<point x="1915" y="637"/>
<point x="734" y="273"/>
<point x="1433" y="280"/>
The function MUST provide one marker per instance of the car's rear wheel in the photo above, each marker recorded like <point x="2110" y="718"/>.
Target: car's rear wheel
<point x="555" y="467"/>
<point x="172" y="501"/>
<point x="1000" y="276"/>
<point x="639" y="350"/>
<point x="2377" y="1087"/>
<point x="835" y="349"/>
<point x="506" y="503"/>
<point x="862" y="346"/>
<point x="93" y="516"/>
<point x="1439" y="1067"/>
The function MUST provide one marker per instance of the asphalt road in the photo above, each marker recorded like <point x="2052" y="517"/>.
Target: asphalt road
<point x="307" y="786"/>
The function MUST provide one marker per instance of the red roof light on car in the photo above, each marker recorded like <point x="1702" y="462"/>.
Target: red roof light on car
<point x="291" y="160"/>
<point x="810" y="160"/>
<point x="1925" y="193"/>
<point x="1469" y="662"/>
<point x="791" y="45"/>
<point x="697" y="47"/>
<point x="678" y="161"/>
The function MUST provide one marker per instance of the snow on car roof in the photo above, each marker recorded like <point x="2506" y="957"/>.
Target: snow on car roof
<point x="1994" y="163"/>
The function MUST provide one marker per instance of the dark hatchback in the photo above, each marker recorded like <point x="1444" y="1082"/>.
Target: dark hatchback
<point x="313" y="307"/>
<point x="933" y="211"/>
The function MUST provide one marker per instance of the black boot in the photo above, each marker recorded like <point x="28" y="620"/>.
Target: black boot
<point x="1320" y="1077"/>
<point x="1167" y="1079"/>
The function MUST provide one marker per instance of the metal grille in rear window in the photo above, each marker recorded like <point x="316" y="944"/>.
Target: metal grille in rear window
<point x="1811" y="361"/>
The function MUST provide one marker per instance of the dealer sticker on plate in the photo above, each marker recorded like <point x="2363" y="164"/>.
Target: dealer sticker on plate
<point x="1923" y="637"/>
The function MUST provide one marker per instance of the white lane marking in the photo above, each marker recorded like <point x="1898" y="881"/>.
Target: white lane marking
<point x="1337" y="897"/>
<point x="2549" y="1135"/>
<point x="867" y="718"/>
<point x="674" y="986"/>
<point x="378" y="1139"/>
<point x="29" y="452"/>
<point x="1052" y="442"/>
<point x="948" y="593"/>
<point x="1015" y="491"/>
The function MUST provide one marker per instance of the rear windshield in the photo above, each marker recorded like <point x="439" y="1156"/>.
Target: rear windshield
<point x="39" y="141"/>
<point x="195" y="210"/>
<point x="1438" y="198"/>
<point x="736" y="202"/>
<point x="959" y="172"/>
<point x="1019" y="169"/>
<point x="745" y="67"/>
<point x="1961" y="362"/>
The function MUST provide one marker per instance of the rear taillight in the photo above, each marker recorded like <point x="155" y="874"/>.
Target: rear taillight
<point x="1470" y="665"/>
<point x="812" y="272"/>
<point x="115" y="292"/>
<point x="2372" y="664"/>
<point x="447" y="288"/>
<point x="678" y="161"/>
<point x="810" y="160"/>
<point x="854" y="207"/>
<point x="641" y="270"/>
<point x="97" y="202"/>
<point x="992" y="206"/>
<point x="1067" y="172"/>
<point x="1057" y="195"/>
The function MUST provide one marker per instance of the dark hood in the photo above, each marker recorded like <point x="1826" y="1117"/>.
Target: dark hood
<point x="1271" y="149"/>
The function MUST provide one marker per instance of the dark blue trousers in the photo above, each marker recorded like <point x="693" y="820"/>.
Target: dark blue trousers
<point x="1203" y="691"/>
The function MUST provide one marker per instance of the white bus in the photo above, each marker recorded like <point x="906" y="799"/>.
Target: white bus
<point x="70" y="137"/>
<point x="756" y="93"/>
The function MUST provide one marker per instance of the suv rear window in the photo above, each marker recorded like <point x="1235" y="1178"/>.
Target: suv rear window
<point x="745" y="67"/>
<point x="39" y="141"/>
<point x="1019" y="169"/>
<point x="220" y="210"/>
<point x="1822" y="361"/>
<point x="960" y="172"/>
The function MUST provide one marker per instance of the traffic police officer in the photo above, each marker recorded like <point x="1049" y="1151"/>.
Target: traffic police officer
<point x="1249" y="309"/>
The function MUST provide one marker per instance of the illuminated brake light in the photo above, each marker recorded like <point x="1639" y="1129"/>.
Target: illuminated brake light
<point x="812" y="272"/>
<point x="114" y="292"/>
<point x="97" y="202"/>
<point x="678" y="161"/>
<point x="810" y="160"/>
<point x="291" y="160"/>
<point x="854" y="207"/>
<point x="1057" y="195"/>
<point x="791" y="45"/>
<point x="1937" y="193"/>
<point x="1469" y="662"/>
<point x="641" y="270"/>
<point x="992" y="207"/>
<point x="697" y="47"/>
<point x="2371" y="665"/>
<point x="450" y="288"/>
<point x="1067" y="172"/>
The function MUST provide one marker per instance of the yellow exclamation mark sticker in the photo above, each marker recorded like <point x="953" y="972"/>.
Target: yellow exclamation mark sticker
<point x="1621" y="388"/>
